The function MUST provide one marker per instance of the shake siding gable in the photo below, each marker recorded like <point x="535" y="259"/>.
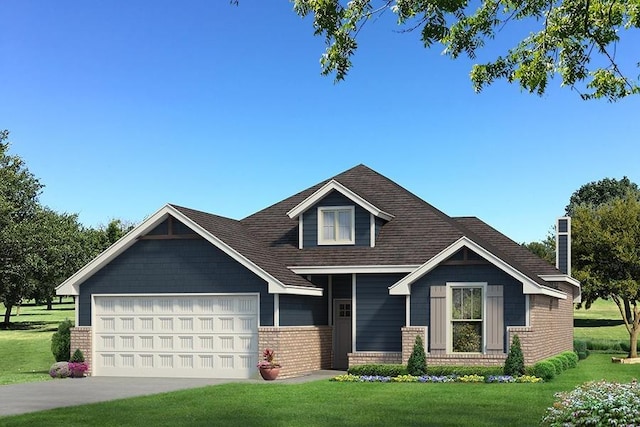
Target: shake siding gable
<point x="379" y="316"/>
<point x="173" y="266"/>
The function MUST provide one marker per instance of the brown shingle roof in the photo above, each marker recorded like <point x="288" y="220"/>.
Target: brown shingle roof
<point x="418" y="232"/>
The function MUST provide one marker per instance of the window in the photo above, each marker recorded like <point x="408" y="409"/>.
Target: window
<point x="467" y="311"/>
<point x="336" y="225"/>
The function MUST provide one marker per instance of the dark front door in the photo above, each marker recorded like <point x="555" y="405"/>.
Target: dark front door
<point x="341" y="333"/>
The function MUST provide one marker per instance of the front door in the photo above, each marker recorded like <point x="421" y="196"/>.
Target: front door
<point x="341" y="333"/>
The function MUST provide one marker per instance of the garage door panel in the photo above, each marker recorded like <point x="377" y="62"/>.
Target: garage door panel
<point x="178" y="336"/>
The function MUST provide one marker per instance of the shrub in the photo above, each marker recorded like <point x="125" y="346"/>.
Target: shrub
<point x="596" y="403"/>
<point x="557" y="363"/>
<point x="417" y="363"/>
<point x="61" y="342"/>
<point x="572" y="358"/>
<point x="544" y="369"/>
<point x="383" y="370"/>
<point x="60" y="370"/>
<point x="580" y="347"/>
<point x="514" y="364"/>
<point x="78" y="356"/>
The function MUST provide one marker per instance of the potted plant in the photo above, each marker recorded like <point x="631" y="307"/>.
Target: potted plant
<point x="269" y="368"/>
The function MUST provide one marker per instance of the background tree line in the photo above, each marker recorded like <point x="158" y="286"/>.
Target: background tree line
<point x="39" y="248"/>
<point x="605" y="253"/>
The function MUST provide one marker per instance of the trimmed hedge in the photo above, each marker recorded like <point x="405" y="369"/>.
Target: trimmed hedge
<point x="547" y="369"/>
<point x="383" y="370"/>
<point x="544" y="369"/>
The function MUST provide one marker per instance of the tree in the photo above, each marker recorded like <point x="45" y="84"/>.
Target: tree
<point x="545" y="249"/>
<point x="597" y="193"/>
<point x="514" y="364"/>
<point x="19" y="191"/>
<point x="575" y="39"/>
<point x="606" y="256"/>
<point x="417" y="363"/>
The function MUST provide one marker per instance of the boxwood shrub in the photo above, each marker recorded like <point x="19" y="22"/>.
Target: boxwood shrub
<point x="544" y="369"/>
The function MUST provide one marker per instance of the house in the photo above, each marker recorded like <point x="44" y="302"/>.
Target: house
<point x="346" y="272"/>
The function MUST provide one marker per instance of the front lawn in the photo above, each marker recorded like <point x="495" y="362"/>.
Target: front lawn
<point x="25" y="348"/>
<point x="324" y="403"/>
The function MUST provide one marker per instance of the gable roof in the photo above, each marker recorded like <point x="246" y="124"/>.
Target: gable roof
<point x="415" y="236"/>
<point x="226" y="234"/>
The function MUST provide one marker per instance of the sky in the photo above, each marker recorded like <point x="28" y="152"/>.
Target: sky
<point x="121" y="107"/>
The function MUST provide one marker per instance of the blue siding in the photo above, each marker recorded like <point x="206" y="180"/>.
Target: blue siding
<point x="310" y="221"/>
<point x="341" y="286"/>
<point x="379" y="316"/>
<point x="563" y="253"/>
<point x="514" y="299"/>
<point x="174" y="266"/>
<point x="303" y="310"/>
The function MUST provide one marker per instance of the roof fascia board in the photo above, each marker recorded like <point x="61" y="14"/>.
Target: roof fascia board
<point x="349" y="269"/>
<point x="335" y="185"/>
<point x="71" y="285"/>
<point x="402" y="287"/>
<point x="577" y="298"/>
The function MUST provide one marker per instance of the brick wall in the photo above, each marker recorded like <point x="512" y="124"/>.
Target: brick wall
<point x="466" y="359"/>
<point x="81" y="338"/>
<point x="409" y="334"/>
<point x="551" y="330"/>
<point x="299" y="349"/>
<point x="369" y="357"/>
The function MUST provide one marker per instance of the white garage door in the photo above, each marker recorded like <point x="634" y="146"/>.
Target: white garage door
<point x="188" y="335"/>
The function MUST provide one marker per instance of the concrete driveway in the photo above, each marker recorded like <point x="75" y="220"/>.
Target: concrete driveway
<point x="31" y="397"/>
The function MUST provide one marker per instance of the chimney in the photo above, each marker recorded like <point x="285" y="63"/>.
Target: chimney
<point x="563" y="245"/>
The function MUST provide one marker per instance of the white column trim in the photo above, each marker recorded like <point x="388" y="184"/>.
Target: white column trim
<point x="330" y="299"/>
<point x="372" y="220"/>
<point x="300" y="233"/>
<point x="527" y="310"/>
<point x="407" y="310"/>
<point x="353" y="313"/>
<point x="276" y="310"/>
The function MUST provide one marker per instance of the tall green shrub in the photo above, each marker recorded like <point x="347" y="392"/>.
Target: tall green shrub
<point x="514" y="365"/>
<point x="61" y="342"/>
<point x="77" y="356"/>
<point x="417" y="364"/>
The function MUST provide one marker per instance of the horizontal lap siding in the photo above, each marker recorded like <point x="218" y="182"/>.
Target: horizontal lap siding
<point x="513" y="298"/>
<point x="304" y="310"/>
<point x="174" y="266"/>
<point x="379" y="316"/>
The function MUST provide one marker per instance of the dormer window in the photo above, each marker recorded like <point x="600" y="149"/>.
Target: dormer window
<point x="336" y="225"/>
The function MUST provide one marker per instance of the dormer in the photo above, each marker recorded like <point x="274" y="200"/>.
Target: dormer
<point x="336" y="216"/>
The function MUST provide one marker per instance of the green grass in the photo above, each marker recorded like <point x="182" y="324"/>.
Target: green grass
<point x="325" y="403"/>
<point x="25" y="348"/>
<point x="601" y="322"/>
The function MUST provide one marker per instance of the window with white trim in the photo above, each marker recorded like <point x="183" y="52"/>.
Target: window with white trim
<point x="467" y="307"/>
<point x="336" y="225"/>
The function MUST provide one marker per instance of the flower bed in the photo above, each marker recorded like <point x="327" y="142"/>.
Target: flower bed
<point x="350" y="378"/>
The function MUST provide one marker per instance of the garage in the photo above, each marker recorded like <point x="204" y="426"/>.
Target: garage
<point x="175" y="335"/>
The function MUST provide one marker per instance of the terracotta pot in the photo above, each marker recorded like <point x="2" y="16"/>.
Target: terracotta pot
<point x="269" y="374"/>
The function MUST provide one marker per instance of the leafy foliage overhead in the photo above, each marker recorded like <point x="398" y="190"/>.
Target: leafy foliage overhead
<point x="575" y="39"/>
<point x="597" y="193"/>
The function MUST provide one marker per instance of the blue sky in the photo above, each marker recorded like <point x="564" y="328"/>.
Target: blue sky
<point x="121" y="107"/>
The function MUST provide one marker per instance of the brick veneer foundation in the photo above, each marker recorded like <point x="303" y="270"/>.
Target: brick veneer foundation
<point x="369" y="357"/>
<point x="81" y="338"/>
<point x="300" y="349"/>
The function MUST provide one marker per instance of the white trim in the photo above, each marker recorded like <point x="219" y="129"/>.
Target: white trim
<point x="529" y="286"/>
<point x="353" y="313"/>
<point x="276" y="310"/>
<point x="527" y="310"/>
<point x="76" y="301"/>
<point x="336" y="224"/>
<point x="407" y="310"/>
<point x="372" y="231"/>
<point x="71" y="285"/>
<point x="329" y="187"/>
<point x="566" y="279"/>
<point x="330" y="299"/>
<point x="449" y="300"/>
<point x="348" y="269"/>
<point x="300" y="233"/>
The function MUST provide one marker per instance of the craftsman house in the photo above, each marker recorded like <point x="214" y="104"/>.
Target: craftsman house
<point x="346" y="272"/>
